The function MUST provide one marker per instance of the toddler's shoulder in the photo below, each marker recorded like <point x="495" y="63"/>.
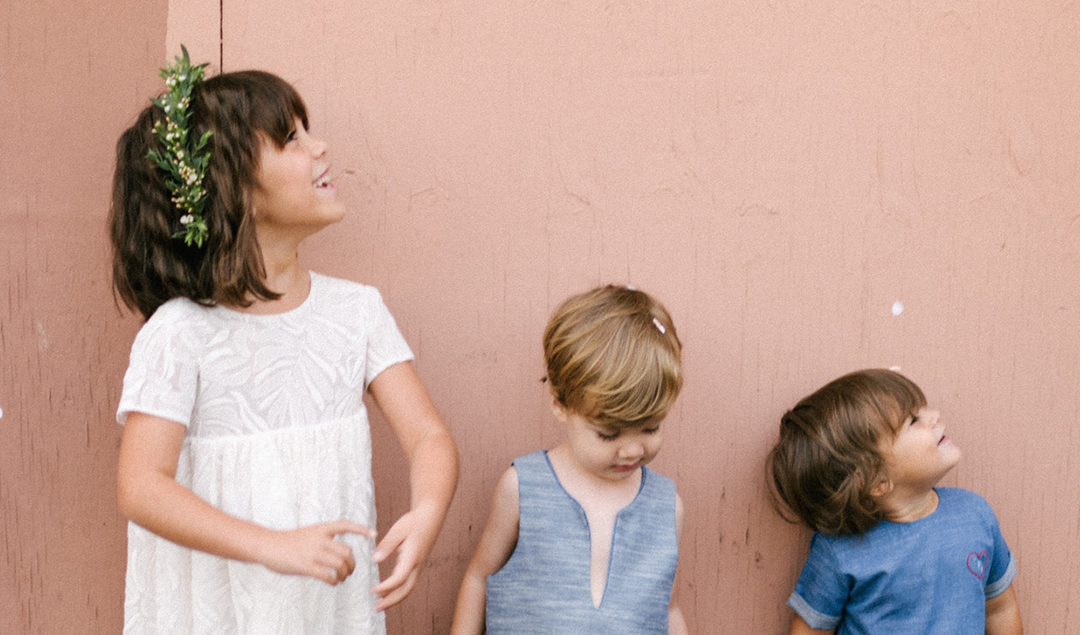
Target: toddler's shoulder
<point x="960" y="502"/>
<point x="961" y="496"/>
<point x="659" y="479"/>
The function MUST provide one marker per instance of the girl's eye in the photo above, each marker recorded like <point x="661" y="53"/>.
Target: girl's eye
<point x="914" y="419"/>
<point x="651" y="430"/>
<point x="606" y="436"/>
<point x="291" y="136"/>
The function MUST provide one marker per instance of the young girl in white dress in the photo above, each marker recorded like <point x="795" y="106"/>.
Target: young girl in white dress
<point x="245" y="464"/>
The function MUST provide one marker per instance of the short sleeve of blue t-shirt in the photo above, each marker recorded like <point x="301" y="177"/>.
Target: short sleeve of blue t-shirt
<point x="931" y="575"/>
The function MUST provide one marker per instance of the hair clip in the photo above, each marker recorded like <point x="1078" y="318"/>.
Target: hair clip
<point x="659" y="326"/>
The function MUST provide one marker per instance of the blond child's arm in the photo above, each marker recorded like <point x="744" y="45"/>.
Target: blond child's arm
<point x="496" y="546"/>
<point x="148" y="494"/>
<point x="433" y="473"/>
<point x="676" y="621"/>
<point x="1003" y="614"/>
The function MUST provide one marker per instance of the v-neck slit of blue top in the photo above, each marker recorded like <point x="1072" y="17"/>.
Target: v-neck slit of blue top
<point x="588" y="527"/>
<point x="545" y="586"/>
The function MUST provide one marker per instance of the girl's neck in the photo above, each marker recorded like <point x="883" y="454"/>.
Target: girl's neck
<point x="285" y="276"/>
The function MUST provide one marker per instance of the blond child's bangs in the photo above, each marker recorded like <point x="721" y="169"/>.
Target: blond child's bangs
<point x="613" y="356"/>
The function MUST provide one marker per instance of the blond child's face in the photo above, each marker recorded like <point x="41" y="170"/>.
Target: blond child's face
<point x="921" y="453"/>
<point x="613" y="455"/>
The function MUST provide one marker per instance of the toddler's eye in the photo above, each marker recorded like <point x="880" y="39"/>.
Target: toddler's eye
<point x="607" y="436"/>
<point x="291" y="136"/>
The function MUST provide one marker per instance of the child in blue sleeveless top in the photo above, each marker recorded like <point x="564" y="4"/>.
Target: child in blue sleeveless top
<point x="858" y="462"/>
<point x="584" y="538"/>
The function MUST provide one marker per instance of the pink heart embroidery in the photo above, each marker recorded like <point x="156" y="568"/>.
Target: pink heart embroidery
<point x="976" y="563"/>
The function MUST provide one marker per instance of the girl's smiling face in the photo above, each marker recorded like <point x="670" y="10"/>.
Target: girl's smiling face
<point x="920" y="453"/>
<point x="294" y="190"/>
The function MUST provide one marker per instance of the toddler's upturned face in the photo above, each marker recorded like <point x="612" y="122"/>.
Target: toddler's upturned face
<point x="610" y="454"/>
<point x="921" y="453"/>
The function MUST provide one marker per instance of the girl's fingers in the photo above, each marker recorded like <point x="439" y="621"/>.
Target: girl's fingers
<point x="397" y="594"/>
<point x="339" y="527"/>
<point x="387" y="546"/>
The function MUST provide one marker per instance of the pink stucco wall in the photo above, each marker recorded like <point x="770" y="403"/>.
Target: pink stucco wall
<point x="780" y="174"/>
<point x="71" y="77"/>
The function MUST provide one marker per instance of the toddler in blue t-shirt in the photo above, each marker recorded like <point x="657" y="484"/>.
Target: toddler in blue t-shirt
<point x="858" y="461"/>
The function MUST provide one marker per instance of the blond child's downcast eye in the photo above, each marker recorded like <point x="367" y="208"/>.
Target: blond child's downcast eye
<point x="607" y="436"/>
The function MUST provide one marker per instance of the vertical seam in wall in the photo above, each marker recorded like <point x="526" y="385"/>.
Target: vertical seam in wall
<point x="221" y="35"/>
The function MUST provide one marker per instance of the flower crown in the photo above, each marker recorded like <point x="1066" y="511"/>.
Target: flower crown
<point x="184" y="165"/>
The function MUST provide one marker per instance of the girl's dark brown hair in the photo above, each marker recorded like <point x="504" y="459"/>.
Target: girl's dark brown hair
<point x="151" y="267"/>
<point x="828" y="459"/>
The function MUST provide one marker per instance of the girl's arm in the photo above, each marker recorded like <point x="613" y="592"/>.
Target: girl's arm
<point x="496" y="545"/>
<point x="799" y="627"/>
<point x="148" y="494"/>
<point x="676" y="621"/>
<point x="433" y="472"/>
<point x="1003" y="614"/>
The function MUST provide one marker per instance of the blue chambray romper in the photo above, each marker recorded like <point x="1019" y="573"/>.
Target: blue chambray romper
<point x="544" y="587"/>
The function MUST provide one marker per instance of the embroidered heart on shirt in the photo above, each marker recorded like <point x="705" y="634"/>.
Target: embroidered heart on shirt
<point x="976" y="563"/>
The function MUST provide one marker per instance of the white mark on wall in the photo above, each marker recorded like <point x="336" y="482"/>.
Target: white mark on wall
<point x="897" y="308"/>
<point x="1" y="413"/>
<point x="43" y="337"/>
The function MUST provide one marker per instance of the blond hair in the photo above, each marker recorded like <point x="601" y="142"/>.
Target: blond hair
<point x="613" y="356"/>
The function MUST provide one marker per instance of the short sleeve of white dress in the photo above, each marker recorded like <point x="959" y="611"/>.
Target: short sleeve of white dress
<point x="277" y="434"/>
<point x="162" y="375"/>
<point x="386" y="345"/>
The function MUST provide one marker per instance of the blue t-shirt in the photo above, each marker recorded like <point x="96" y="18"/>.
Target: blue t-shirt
<point x="932" y="575"/>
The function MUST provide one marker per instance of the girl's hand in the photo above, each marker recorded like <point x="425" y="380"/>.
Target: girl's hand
<point x="312" y="551"/>
<point x="433" y="472"/>
<point x="411" y="538"/>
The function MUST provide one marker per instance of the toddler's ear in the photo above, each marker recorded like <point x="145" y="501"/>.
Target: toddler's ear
<point x="557" y="408"/>
<point x="882" y="487"/>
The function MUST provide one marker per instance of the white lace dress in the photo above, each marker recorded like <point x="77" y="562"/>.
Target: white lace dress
<point x="277" y="434"/>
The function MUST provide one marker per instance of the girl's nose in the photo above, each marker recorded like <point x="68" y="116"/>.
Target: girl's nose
<point x="318" y="147"/>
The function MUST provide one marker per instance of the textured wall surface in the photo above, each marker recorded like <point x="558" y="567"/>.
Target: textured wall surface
<point x="72" y="76"/>
<point x="778" y="173"/>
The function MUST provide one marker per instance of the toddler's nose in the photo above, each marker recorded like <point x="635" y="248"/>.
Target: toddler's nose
<point x="632" y="450"/>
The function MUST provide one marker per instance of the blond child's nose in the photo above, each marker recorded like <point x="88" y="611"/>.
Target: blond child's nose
<point x="632" y="449"/>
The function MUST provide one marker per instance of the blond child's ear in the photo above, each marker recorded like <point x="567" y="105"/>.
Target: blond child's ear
<point x="557" y="408"/>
